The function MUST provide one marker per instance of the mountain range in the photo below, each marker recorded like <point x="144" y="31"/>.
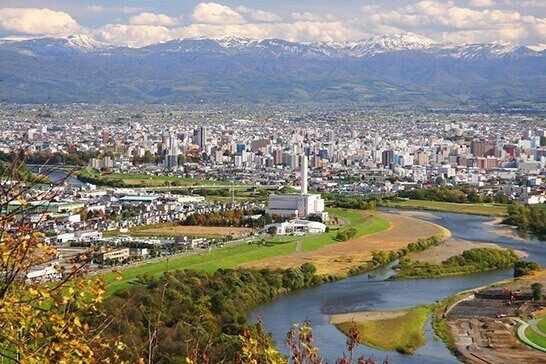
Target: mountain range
<point x="397" y="68"/>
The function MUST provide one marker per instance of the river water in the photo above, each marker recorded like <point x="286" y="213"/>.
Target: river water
<point x="361" y="293"/>
<point x="57" y="175"/>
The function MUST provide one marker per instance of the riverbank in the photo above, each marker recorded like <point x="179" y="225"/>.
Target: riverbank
<point x="398" y="330"/>
<point x="475" y="260"/>
<point x="497" y="210"/>
<point x="453" y="247"/>
<point x="480" y="326"/>
<point x="241" y="255"/>
<point x="341" y="257"/>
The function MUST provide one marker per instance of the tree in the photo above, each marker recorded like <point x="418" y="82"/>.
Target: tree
<point x="40" y="321"/>
<point x="272" y="231"/>
<point x="537" y="291"/>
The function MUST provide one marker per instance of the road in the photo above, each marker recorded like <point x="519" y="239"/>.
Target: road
<point x="198" y="251"/>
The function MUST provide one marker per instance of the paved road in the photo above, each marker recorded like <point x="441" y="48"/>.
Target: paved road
<point x="534" y="326"/>
<point x="521" y="333"/>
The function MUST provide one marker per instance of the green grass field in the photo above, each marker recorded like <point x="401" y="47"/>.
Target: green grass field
<point x="154" y="181"/>
<point x="535" y="337"/>
<point x="144" y="180"/>
<point x="542" y="324"/>
<point x="403" y="333"/>
<point x="496" y="210"/>
<point x="233" y="256"/>
<point x="363" y="223"/>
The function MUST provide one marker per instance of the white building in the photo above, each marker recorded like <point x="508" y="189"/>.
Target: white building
<point x="297" y="227"/>
<point x="43" y="273"/>
<point x="298" y="205"/>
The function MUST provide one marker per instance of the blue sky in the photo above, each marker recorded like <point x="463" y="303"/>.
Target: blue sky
<point x="141" y="22"/>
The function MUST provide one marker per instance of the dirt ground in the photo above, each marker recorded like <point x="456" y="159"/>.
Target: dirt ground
<point x="482" y="338"/>
<point x="450" y="248"/>
<point x="502" y="229"/>
<point x="493" y="341"/>
<point x="340" y="257"/>
<point x="365" y="316"/>
<point x="201" y="230"/>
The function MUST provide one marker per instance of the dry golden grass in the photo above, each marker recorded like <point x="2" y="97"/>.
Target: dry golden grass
<point x="338" y="258"/>
<point x="451" y="248"/>
<point x="196" y="230"/>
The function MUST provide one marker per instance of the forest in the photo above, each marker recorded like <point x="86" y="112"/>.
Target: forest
<point x="188" y="313"/>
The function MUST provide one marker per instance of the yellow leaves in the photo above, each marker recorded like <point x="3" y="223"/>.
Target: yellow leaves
<point x="22" y="201"/>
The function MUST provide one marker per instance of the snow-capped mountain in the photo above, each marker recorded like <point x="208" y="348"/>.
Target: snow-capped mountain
<point x="388" y="43"/>
<point x="405" y="67"/>
<point x="276" y="47"/>
<point x="48" y="46"/>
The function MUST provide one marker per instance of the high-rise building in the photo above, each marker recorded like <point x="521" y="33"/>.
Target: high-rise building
<point x="482" y="148"/>
<point x="201" y="137"/>
<point x="387" y="158"/>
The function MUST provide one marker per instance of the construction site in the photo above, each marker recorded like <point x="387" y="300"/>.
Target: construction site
<point x="485" y="324"/>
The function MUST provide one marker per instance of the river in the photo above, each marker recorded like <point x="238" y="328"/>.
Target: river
<point x="57" y="175"/>
<point x="360" y="293"/>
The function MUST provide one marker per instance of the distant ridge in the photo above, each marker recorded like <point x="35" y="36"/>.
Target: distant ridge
<point x="386" y="68"/>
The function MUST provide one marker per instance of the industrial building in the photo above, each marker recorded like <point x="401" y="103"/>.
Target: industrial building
<point x="297" y="227"/>
<point x="298" y="205"/>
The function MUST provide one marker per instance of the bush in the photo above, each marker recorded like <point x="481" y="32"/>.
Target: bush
<point x="537" y="291"/>
<point x="522" y="268"/>
<point x="346" y="234"/>
<point x="473" y="260"/>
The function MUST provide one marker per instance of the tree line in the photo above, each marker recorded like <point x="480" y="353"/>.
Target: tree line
<point x="531" y="219"/>
<point x="470" y="261"/>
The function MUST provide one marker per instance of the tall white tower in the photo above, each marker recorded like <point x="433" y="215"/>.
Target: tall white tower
<point x="304" y="174"/>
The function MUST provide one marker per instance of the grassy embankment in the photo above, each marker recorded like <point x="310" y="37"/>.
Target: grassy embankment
<point x="497" y="210"/>
<point x="233" y="256"/>
<point x="403" y="333"/>
<point x="144" y="180"/>
<point x="359" y="220"/>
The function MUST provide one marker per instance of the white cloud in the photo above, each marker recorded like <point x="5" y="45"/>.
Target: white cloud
<point x="258" y="15"/>
<point x="482" y="3"/>
<point x="306" y="16"/>
<point x="368" y="9"/>
<point x="37" y="22"/>
<point x="213" y="13"/>
<point x="133" y="35"/>
<point x="297" y="31"/>
<point x="96" y="8"/>
<point x="130" y="9"/>
<point x="436" y="19"/>
<point x="153" y="19"/>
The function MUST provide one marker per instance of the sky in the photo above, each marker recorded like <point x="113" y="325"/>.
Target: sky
<point x="142" y="22"/>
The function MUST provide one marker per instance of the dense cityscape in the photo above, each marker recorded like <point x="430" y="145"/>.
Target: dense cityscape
<point x="288" y="182"/>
